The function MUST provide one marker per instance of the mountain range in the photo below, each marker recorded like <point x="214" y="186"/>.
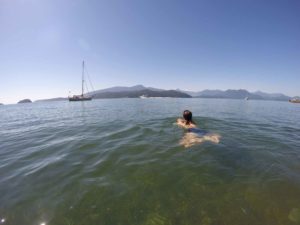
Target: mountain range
<point x="140" y="90"/>
<point x="238" y="94"/>
<point x="138" y="93"/>
<point x="124" y="89"/>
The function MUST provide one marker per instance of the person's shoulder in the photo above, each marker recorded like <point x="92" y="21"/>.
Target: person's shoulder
<point x="181" y="122"/>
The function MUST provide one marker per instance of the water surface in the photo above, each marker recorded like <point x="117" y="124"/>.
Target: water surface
<point x="120" y="162"/>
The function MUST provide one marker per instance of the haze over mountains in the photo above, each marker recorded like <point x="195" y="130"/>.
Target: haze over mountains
<point x="238" y="94"/>
<point x="122" y="88"/>
<point x="136" y="92"/>
<point x="140" y="90"/>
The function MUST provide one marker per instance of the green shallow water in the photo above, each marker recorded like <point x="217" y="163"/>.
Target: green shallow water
<point x="119" y="162"/>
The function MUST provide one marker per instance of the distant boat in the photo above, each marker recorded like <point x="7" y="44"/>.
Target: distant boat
<point x="295" y="100"/>
<point x="81" y="97"/>
<point x="144" y="96"/>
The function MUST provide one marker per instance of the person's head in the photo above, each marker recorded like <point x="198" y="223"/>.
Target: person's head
<point x="187" y="115"/>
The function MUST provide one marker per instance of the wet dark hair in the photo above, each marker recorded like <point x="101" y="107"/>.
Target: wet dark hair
<point x="187" y="115"/>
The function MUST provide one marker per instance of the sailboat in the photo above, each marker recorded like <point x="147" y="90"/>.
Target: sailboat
<point x="81" y="97"/>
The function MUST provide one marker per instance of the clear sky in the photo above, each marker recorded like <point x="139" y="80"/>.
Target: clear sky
<point x="191" y="45"/>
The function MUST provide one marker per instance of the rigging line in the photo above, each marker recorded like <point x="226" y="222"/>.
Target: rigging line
<point x="87" y="88"/>
<point x="89" y="79"/>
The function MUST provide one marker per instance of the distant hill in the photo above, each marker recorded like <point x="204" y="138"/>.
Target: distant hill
<point x="123" y="89"/>
<point x="118" y="89"/>
<point x="200" y="93"/>
<point x="128" y="92"/>
<point x="273" y="96"/>
<point x="238" y="94"/>
<point x="25" y="101"/>
<point x="140" y="90"/>
<point x="143" y="92"/>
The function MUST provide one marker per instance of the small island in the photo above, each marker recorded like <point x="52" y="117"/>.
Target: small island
<point x="1" y="103"/>
<point x="25" y="101"/>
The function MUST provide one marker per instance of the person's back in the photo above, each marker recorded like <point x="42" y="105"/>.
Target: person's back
<point x="187" y="120"/>
<point x="194" y="135"/>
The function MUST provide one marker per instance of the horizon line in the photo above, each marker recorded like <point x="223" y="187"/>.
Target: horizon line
<point x="177" y="89"/>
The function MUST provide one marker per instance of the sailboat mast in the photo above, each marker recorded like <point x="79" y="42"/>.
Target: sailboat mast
<point x="82" y="88"/>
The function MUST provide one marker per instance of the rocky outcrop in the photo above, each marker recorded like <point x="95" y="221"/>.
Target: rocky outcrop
<point x="25" y="101"/>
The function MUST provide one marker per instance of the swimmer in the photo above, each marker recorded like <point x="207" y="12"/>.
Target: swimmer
<point x="187" y="120"/>
<point x="194" y="135"/>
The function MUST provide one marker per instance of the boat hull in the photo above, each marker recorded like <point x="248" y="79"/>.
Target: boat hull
<point x="80" y="99"/>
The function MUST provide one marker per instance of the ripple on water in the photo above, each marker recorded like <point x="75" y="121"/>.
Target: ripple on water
<point x="121" y="162"/>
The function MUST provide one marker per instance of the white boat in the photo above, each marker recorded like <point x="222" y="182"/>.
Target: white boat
<point x="81" y="97"/>
<point x="144" y="96"/>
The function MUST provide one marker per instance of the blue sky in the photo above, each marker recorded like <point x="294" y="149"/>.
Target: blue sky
<point x="191" y="45"/>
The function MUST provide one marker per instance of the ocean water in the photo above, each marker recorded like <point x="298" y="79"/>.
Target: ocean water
<point x="119" y="162"/>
